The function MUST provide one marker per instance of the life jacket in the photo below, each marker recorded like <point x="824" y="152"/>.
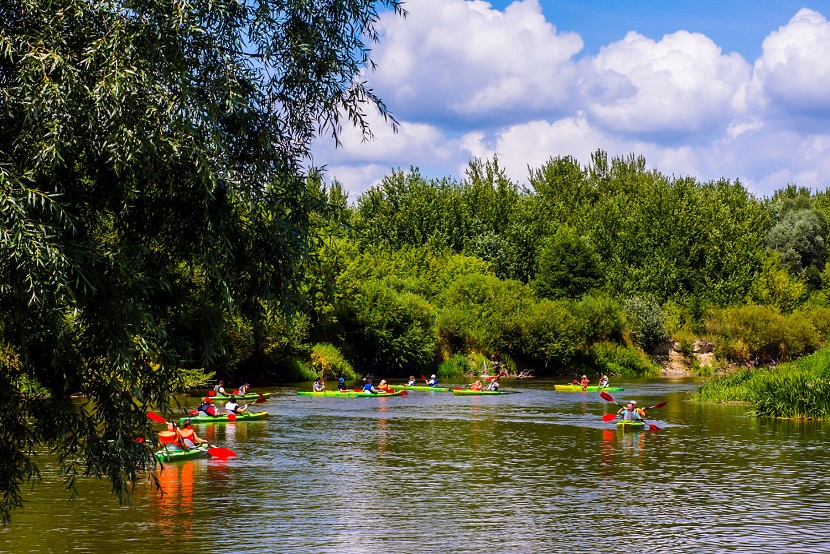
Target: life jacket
<point x="167" y="437"/>
<point x="475" y="386"/>
<point x="187" y="434"/>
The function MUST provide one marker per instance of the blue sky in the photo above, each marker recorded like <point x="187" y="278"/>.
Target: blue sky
<point x="729" y="89"/>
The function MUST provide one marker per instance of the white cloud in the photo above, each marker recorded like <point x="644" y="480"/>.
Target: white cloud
<point x="452" y="58"/>
<point x="793" y="72"/>
<point x="682" y="84"/>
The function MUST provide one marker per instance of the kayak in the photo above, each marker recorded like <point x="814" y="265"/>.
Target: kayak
<point x="249" y="397"/>
<point x="626" y="425"/>
<point x="425" y="388"/>
<point x="244" y="416"/>
<point x="468" y="392"/>
<point x="396" y="393"/>
<point x="170" y="453"/>
<point x="590" y="388"/>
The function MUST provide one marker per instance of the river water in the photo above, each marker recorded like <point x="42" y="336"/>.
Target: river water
<point x="535" y="471"/>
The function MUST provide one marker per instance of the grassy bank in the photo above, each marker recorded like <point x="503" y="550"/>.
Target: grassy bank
<point x="797" y="389"/>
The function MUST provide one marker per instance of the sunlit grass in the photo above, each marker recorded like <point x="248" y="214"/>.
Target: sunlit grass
<point x="798" y="389"/>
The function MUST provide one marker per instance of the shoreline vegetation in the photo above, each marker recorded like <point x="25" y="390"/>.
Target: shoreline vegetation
<point x="799" y="389"/>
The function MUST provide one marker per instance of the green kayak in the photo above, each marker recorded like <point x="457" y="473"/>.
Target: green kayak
<point x="244" y="416"/>
<point x="396" y="393"/>
<point x="170" y="453"/>
<point x="425" y="388"/>
<point x="590" y="388"/>
<point x="468" y="392"/>
<point x="250" y="397"/>
<point x="626" y="425"/>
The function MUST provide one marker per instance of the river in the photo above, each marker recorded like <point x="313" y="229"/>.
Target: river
<point x="535" y="471"/>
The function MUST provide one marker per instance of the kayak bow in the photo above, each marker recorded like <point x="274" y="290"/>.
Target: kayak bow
<point x="244" y="416"/>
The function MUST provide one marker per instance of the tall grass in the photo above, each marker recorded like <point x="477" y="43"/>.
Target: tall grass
<point x="798" y="389"/>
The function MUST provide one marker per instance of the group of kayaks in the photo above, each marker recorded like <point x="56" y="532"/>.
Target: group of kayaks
<point x="401" y="390"/>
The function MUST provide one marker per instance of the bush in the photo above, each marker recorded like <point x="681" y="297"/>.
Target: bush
<point x="327" y="361"/>
<point x="648" y="322"/>
<point x="615" y="359"/>
<point x="456" y="366"/>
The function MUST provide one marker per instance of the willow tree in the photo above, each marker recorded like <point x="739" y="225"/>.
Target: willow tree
<point x="151" y="158"/>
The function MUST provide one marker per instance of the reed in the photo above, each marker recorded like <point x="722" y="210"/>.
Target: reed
<point x="798" y="389"/>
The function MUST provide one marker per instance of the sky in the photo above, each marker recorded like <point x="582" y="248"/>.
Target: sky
<point x="729" y="89"/>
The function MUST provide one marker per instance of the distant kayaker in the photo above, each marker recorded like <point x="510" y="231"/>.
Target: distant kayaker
<point x="584" y="382"/>
<point x="433" y="381"/>
<point x="476" y="386"/>
<point x="411" y="382"/>
<point x="383" y="386"/>
<point x="220" y="388"/>
<point x="187" y="436"/>
<point x="206" y="408"/>
<point x="232" y="407"/>
<point x="493" y="385"/>
<point x="641" y="413"/>
<point x="369" y="387"/>
<point x="318" y="386"/>
<point x="341" y="385"/>
<point x="603" y="381"/>
<point x="244" y="388"/>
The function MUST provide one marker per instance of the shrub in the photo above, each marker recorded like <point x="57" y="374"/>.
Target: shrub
<point x="648" y="322"/>
<point x="456" y="366"/>
<point x="615" y="359"/>
<point x="327" y="361"/>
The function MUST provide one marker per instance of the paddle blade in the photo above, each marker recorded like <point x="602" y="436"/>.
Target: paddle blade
<point x="155" y="417"/>
<point x="211" y="393"/>
<point x="609" y="417"/>
<point x="222" y="453"/>
<point x="236" y="391"/>
<point x="606" y="396"/>
<point x="660" y="405"/>
<point x="422" y="377"/>
<point x="193" y="412"/>
<point x="653" y="427"/>
<point x="260" y="400"/>
<point x="231" y="417"/>
<point x="404" y="393"/>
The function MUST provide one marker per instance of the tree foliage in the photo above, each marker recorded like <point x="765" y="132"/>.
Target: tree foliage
<point x="151" y="186"/>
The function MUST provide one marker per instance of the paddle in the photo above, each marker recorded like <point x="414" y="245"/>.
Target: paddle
<point x="424" y="378"/>
<point x="155" y="417"/>
<point x="217" y="452"/>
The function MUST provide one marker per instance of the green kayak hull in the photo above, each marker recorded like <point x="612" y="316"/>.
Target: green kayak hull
<point x="630" y="425"/>
<point x="424" y="388"/>
<point x="250" y="397"/>
<point x="172" y="454"/>
<point x="396" y="393"/>
<point x="240" y="418"/>
<point x="468" y="392"/>
<point x="326" y="393"/>
<point x="591" y="388"/>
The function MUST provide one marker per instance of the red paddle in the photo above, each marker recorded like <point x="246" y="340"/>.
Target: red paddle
<point x="222" y="453"/>
<point x="211" y="393"/>
<point x="609" y="417"/>
<point x="231" y="416"/>
<point x="260" y="400"/>
<point x="609" y="398"/>
<point x="155" y="417"/>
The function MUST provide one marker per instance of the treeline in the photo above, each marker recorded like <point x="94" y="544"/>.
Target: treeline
<point x="590" y="267"/>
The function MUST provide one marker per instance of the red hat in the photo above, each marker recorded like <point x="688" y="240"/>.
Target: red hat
<point x="208" y="400"/>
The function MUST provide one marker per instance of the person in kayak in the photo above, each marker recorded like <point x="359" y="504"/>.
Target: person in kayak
<point x="433" y="381"/>
<point x="603" y="381"/>
<point x="341" y="385"/>
<point x="232" y="407"/>
<point x="383" y="386"/>
<point x="584" y="382"/>
<point x="220" y="388"/>
<point x="206" y="408"/>
<point x="318" y="386"/>
<point x="493" y="385"/>
<point x="629" y="412"/>
<point x="187" y="437"/>
<point x="476" y="386"/>
<point x="244" y="388"/>
<point x="369" y="387"/>
<point x="411" y="381"/>
<point x="641" y="412"/>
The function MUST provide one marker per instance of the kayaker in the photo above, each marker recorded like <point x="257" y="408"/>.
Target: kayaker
<point x="244" y="388"/>
<point x="411" y="382"/>
<point x="584" y="382"/>
<point x="220" y="388"/>
<point x="383" y="386"/>
<point x="206" y="408"/>
<point x="476" y="386"/>
<point x="603" y="381"/>
<point x="493" y="385"/>
<point x="318" y="386"/>
<point x="629" y="412"/>
<point x="232" y="407"/>
<point x="641" y="412"/>
<point x="433" y="381"/>
<point x="187" y="436"/>
<point x="341" y="385"/>
<point x="369" y="387"/>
